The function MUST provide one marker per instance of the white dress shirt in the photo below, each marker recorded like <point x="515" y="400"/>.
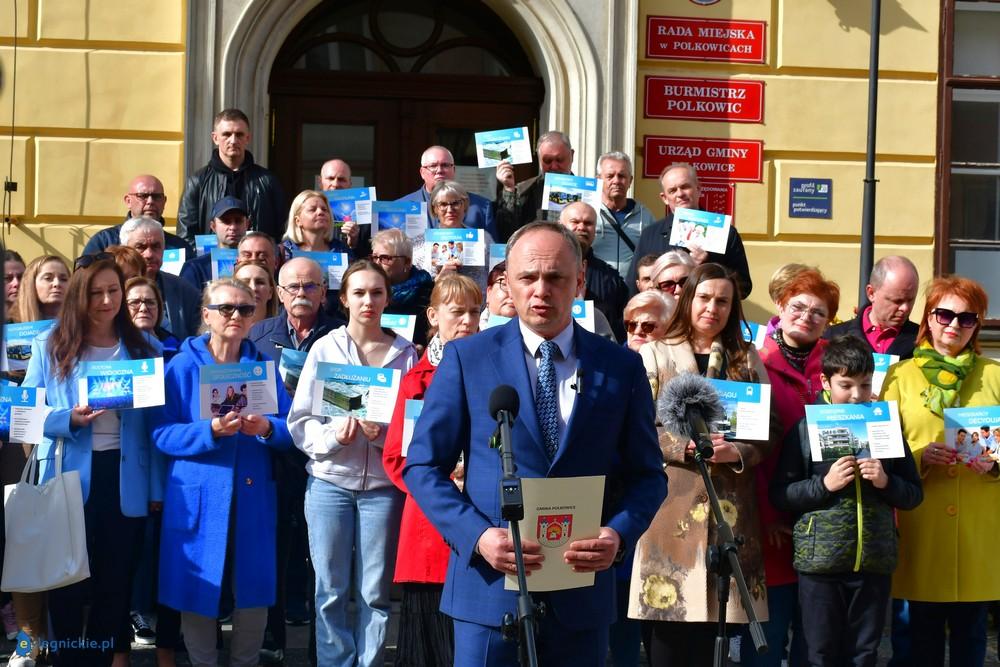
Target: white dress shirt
<point x="565" y="364"/>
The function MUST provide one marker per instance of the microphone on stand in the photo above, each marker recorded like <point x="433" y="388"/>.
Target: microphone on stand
<point x="686" y="407"/>
<point x="504" y="404"/>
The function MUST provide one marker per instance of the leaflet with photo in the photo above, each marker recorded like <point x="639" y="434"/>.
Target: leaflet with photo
<point x="862" y="430"/>
<point x="709" y="231"/>
<point x="498" y="253"/>
<point x="882" y="363"/>
<point x="561" y="190"/>
<point x="495" y="320"/>
<point x="467" y="246"/>
<point x="973" y="433"/>
<point x="290" y="367"/>
<point x="120" y="385"/>
<point x="748" y="410"/>
<point x="204" y="242"/>
<point x="409" y="217"/>
<point x="173" y="261"/>
<point x="496" y="146"/>
<point x="411" y="412"/>
<point x="333" y="264"/>
<point x="558" y="511"/>
<point x="246" y="388"/>
<point x="224" y="262"/>
<point x="17" y="342"/>
<point x="342" y="390"/>
<point x="22" y="414"/>
<point x="353" y="204"/>
<point x="403" y="325"/>
<point x="583" y="312"/>
<point x="754" y="333"/>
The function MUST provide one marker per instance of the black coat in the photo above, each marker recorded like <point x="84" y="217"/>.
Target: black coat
<point x="903" y="344"/>
<point x="255" y="185"/>
<point x="654" y="240"/>
<point x="513" y="210"/>
<point x="606" y="287"/>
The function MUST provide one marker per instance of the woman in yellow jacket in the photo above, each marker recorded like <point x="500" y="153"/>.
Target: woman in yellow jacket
<point x="948" y="543"/>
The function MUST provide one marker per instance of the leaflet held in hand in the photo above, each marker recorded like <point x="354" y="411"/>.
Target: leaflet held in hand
<point x="496" y="146"/>
<point x="882" y="363"/>
<point x="754" y="333"/>
<point x="290" y="367"/>
<point x="561" y="190"/>
<point x="333" y="265"/>
<point x="22" y="414"/>
<point x="862" y="430"/>
<point x="411" y="412"/>
<point x="466" y="246"/>
<point x="173" y="261"/>
<point x="351" y="205"/>
<point x="342" y="390"/>
<point x="223" y="262"/>
<point x="965" y="436"/>
<point x="748" y="410"/>
<point x="17" y="342"/>
<point x="246" y="388"/>
<point x="402" y="325"/>
<point x="558" y="511"/>
<point x="409" y="217"/>
<point x="121" y="385"/>
<point x="709" y="231"/>
<point x="583" y="312"/>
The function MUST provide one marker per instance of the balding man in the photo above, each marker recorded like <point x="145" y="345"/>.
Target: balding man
<point x="144" y="198"/>
<point x="885" y="323"/>
<point x="181" y="301"/>
<point x="621" y="218"/>
<point x="519" y="203"/>
<point x="335" y="175"/>
<point x="438" y="164"/>
<point x="679" y="188"/>
<point x="604" y="284"/>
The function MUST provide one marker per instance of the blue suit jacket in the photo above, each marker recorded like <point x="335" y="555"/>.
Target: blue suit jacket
<point x="479" y="215"/>
<point x="610" y="432"/>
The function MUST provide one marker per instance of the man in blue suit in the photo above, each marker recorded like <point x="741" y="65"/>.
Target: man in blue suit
<point x="438" y="164"/>
<point x="595" y="418"/>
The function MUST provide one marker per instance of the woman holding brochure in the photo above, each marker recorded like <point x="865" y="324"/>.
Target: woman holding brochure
<point x="220" y="501"/>
<point x="119" y="472"/>
<point x="351" y="507"/>
<point x="425" y="634"/>
<point x="449" y="202"/>
<point x="793" y="356"/>
<point x="670" y="581"/>
<point x="947" y="543"/>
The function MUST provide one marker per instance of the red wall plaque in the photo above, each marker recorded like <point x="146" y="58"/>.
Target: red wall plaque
<point x="732" y="100"/>
<point x="681" y="38"/>
<point x="718" y="198"/>
<point x="714" y="159"/>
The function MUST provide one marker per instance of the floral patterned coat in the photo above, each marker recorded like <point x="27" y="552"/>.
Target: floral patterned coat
<point x="670" y="578"/>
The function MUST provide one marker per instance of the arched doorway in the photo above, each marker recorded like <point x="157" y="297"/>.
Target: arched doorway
<point x="376" y="81"/>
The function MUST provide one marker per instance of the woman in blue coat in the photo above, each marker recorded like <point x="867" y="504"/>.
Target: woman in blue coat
<point x="220" y="504"/>
<point x="119" y="473"/>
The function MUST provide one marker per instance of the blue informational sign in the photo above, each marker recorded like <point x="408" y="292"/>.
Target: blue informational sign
<point x="810" y="198"/>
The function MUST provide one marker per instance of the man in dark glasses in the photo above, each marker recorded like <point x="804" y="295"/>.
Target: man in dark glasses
<point x="143" y="198"/>
<point x="885" y="322"/>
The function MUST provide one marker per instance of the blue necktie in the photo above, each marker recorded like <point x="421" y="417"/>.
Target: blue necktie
<point x="547" y="398"/>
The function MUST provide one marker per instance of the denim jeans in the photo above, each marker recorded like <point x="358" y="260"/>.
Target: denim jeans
<point x="345" y="527"/>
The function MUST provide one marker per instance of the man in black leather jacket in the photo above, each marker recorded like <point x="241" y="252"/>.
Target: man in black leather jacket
<point x="231" y="171"/>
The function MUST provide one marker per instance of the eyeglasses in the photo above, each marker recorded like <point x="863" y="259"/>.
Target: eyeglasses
<point x="434" y="166"/>
<point x="945" y="316"/>
<point x="646" y="327"/>
<point x="671" y="285"/>
<point x="385" y="259"/>
<point x="295" y="288"/>
<point x="799" y="310"/>
<point x="228" y="309"/>
<point x="501" y="284"/>
<point x="137" y="304"/>
<point x="449" y="204"/>
<point x="83" y="261"/>
<point x="145" y="196"/>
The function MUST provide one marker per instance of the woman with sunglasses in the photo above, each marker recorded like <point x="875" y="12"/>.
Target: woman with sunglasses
<point x="671" y="585"/>
<point x="947" y="544"/>
<point x="670" y="271"/>
<point x="646" y="316"/>
<point x="219" y="524"/>
<point x="111" y="450"/>
<point x="793" y="356"/>
<point x="449" y="202"/>
<point x="352" y="508"/>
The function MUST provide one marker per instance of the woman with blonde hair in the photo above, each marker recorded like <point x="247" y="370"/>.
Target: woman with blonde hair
<point x="261" y="282"/>
<point x="43" y="289"/>
<point x="311" y="227"/>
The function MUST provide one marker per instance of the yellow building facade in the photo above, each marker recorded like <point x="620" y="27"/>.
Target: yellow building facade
<point x="106" y="90"/>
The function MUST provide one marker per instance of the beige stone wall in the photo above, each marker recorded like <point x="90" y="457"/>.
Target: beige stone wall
<point x="99" y="99"/>
<point x="815" y="112"/>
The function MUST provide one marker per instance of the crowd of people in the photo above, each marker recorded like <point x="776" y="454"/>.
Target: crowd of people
<point x="291" y="516"/>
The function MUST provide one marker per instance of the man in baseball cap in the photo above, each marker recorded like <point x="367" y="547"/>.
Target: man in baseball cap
<point x="230" y="222"/>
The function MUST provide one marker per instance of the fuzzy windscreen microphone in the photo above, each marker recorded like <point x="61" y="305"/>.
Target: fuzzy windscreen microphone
<point x="687" y="405"/>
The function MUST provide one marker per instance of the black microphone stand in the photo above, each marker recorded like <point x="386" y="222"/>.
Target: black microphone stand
<point x="512" y="509"/>
<point x="723" y="561"/>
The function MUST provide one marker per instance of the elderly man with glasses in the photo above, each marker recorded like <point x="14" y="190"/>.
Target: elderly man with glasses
<point x="144" y="198"/>
<point x="438" y="164"/>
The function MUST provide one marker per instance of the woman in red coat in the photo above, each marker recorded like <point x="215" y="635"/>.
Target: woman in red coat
<point x="425" y="634"/>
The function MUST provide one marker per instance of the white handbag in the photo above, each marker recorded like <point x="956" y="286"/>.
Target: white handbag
<point x="46" y="535"/>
